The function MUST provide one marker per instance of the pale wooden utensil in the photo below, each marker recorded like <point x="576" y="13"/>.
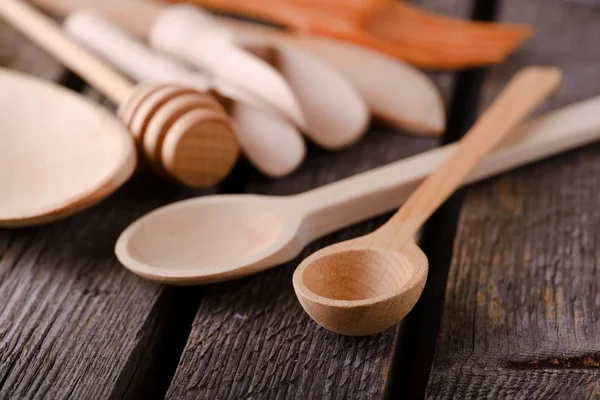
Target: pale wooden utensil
<point x="394" y="92"/>
<point x="270" y="141"/>
<point x="200" y="146"/>
<point x="365" y="285"/>
<point x="221" y="59"/>
<point x="217" y="238"/>
<point x="60" y="153"/>
<point x="335" y="113"/>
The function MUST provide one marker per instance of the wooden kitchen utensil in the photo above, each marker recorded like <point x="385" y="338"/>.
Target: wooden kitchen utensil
<point x="59" y="152"/>
<point x="336" y="115"/>
<point x="222" y="60"/>
<point x="365" y="285"/>
<point x="394" y="92"/>
<point x="199" y="148"/>
<point x="270" y="141"/>
<point x="224" y="237"/>
<point x="393" y="27"/>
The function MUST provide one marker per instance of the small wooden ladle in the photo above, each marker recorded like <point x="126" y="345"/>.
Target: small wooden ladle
<point x="199" y="146"/>
<point x="365" y="285"/>
<point x="223" y="237"/>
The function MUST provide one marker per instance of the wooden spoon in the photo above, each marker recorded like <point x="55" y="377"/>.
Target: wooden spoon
<point x="217" y="238"/>
<point x="60" y="152"/>
<point x="271" y="142"/>
<point x="394" y="91"/>
<point x="365" y="285"/>
<point x="200" y="146"/>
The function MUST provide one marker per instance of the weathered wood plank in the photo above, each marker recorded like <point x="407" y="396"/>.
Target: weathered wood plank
<point x="522" y="312"/>
<point x="73" y="322"/>
<point x="251" y="338"/>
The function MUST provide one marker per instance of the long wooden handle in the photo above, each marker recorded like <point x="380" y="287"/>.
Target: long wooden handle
<point x="126" y="53"/>
<point x="372" y="193"/>
<point x="137" y="60"/>
<point x="522" y="95"/>
<point x="50" y="37"/>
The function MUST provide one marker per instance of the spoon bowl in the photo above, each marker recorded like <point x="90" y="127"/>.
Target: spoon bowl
<point x="60" y="152"/>
<point x="355" y="289"/>
<point x="209" y="239"/>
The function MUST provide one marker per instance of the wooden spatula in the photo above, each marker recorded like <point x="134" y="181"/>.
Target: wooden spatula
<point x="396" y="28"/>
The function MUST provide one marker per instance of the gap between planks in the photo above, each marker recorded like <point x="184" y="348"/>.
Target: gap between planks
<point x="416" y="341"/>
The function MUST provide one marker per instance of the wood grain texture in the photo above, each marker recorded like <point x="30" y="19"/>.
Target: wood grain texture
<point x="73" y="322"/>
<point x="522" y="311"/>
<point x="251" y="339"/>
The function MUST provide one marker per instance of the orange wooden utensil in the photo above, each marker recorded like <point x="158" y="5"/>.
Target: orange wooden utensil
<point x="402" y="30"/>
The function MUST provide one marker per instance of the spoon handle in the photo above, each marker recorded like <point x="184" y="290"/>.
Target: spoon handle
<point x="526" y="90"/>
<point x="50" y="37"/>
<point x="126" y="53"/>
<point x="371" y="193"/>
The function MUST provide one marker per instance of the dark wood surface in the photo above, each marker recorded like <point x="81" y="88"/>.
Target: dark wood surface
<point x="522" y="311"/>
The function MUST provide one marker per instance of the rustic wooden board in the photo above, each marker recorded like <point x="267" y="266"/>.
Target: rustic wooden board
<point x="522" y="312"/>
<point x="251" y="338"/>
<point x="73" y="322"/>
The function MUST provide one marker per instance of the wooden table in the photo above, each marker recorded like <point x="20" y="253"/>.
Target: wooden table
<point x="517" y="258"/>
